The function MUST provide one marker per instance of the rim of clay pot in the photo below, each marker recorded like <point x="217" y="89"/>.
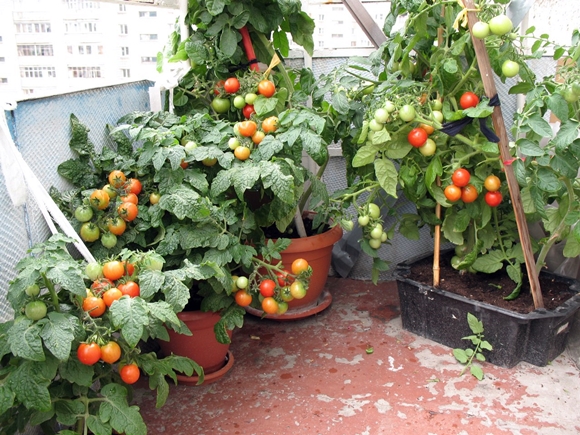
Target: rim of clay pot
<point x="322" y="240"/>
<point x="209" y="377"/>
<point x="319" y="305"/>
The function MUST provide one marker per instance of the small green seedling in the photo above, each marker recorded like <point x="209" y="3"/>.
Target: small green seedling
<point x="466" y="356"/>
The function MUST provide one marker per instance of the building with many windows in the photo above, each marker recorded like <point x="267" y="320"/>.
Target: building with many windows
<point x="52" y="46"/>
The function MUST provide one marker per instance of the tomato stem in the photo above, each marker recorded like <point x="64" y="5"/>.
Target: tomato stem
<point x="53" y="295"/>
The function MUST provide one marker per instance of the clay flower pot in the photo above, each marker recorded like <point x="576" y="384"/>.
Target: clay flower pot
<point x="201" y="346"/>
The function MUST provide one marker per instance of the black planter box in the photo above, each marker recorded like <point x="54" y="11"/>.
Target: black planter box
<point x="537" y="337"/>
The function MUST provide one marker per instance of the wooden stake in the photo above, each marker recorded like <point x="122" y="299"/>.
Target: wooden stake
<point x="437" y="244"/>
<point x="487" y="76"/>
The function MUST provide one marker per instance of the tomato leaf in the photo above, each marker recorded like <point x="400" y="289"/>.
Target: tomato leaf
<point x="130" y="315"/>
<point x="365" y="156"/>
<point x="529" y="148"/>
<point x="24" y="339"/>
<point x="29" y="384"/>
<point x="386" y="173"/>
<point x="540" y="126"/>
<point x="58" y="334"/>
<point x="477" y="372"/>
<point x="114" y="409"/>
<point x="489" y="263"/>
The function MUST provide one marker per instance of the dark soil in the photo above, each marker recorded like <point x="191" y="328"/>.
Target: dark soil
<point x="491" y="288"/>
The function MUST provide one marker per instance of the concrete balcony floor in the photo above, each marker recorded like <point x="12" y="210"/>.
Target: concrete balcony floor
<point x="314" y="376"/>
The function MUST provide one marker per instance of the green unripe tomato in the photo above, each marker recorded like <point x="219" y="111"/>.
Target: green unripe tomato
<point x="220" y="105"/>
<point x="481" y="30"/>
<point x="407" y="113"/>
<point x="94" y="271"/>
<point x="363" y="221"/>
<point x="384" y="237"/>
<point x="233" y="143"/>
<point x="374" y="210"/>
<point x="569" y="95"/>
<point x="436" y="105"/>
<point x="375" y="243"/>
<point x="190" y="146"/>
<point x="32" y="290"/>
<point x="429" y="148"/>
<point x="500" y="25"/>
<point x="239" y="102"/>
<point x="576" y="88"/>
<point x="375" y="126"/>
<point x="377" y="231"/>
<point x="250" y="98"/>
<point x="437" y="116"/>
<point x="381" y="115"/>
<point x="109" y="240"/>
<point x="348" y="225"/>
<point x="455" y="260"/>
<point x="242" y="282"/>
<point x="35" y="310"/>
<point x="83" y="213"/>
<point x="510" y="68"/>
<point x="389" y="106"/>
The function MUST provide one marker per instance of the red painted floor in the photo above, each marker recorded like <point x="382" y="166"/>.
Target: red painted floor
<point x="314" y="376"/>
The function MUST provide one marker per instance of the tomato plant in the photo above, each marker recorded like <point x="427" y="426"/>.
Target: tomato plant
<point x="468" y="100"/>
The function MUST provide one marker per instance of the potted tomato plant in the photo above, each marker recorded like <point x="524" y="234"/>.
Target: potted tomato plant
<point x="70" y="355"/>
<point x="426" y="131"/>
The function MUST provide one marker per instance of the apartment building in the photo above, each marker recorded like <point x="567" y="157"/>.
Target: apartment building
<point x="54" y="46"/>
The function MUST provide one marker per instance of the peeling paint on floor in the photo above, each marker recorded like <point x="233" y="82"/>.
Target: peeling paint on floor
<point x="314" y="376"/>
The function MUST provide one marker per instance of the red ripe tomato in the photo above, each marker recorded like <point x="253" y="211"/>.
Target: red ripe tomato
<point x="461" y="177"/>
<point x="266" y="88"/>
<point x="299" y="265"/>
<point x="452" y="193"/>
<point x="269" y="305"/>
<point x="248" y="111"/>
<point x="112" y="295"/>
<point x="130" y="373"/>
<point x="94" y="306"/>
<point x="270" y="124"/>
<point x="493" y="199"/>
<point x="247" y="128"/>
<point x="133" y="186"/>
<point x="111" y="352"/>
<point x="129" y="268"/>
<point x="232" y="85"/>
<point x="468" y="99"/>
<point x="468" y="193"/>
<point x="267" y="288"/>
<point x="130" y="288"/>
<point x="258" y="137"/>
<point x="113" y="270"/>
<point x="283" y="278"/>
<point x="101" y="285"/>
<point x="243" y="298"/>
<point x="89" y="353"/>
<point x="417" y="137"/>
<point x="128" y="211"/>
<point x="219" y="87"/>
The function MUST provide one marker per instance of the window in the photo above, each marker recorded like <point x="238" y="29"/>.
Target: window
<point x="321" y="30"/>
<point x="122" y="8"/>
<point x="85" y="49"/>
<point x="337" y="35"/>
<point x="34" y="50"/>
<point x="148" y="36"/>
<point x="82" y="4"/>
<point x="124" y="51"/>
<point x="2" y="59"/>
<point x="28" y="91"/>
<point x="149" y="14"/>
<point x="148" y="59"/>
<point x="84" y="72"/>
<point x="379" y="17"/>
<point x="320" y="44"/>
<point x="80" y="26"/>
<point x="337" y="8"/>
<point x="124" y="29"/>
<point x="126" y="72"/>
<point x="353" y="43"/>
<point x="37" y="72"/>
<point x="3" y="80"/>
<point x="33" y="27"/>
<point x="320" y="17"/>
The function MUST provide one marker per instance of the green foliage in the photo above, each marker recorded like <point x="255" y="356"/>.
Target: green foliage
<point x="431" y="62"/>
<point x="466" y="356"/>
<point x="42" y="381"/>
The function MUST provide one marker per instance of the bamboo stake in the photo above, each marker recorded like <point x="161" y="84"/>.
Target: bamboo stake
<point x="500" y="130"/>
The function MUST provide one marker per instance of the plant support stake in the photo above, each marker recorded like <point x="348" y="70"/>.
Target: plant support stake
<point x="499" y="126"/>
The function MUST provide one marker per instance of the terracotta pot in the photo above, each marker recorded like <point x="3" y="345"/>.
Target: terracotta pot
<point x="317" y="250"/>
<point x="202" y="346"/>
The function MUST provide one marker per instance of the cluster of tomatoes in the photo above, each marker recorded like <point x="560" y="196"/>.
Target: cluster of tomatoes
<point x="274" y="295"/>
<point x="111" y="281"/>
<point x="121" y="194"/>
<point x="248" y="133"/>
<point x="461" y="188"/>
<point x="369" y="219"/>
<point x="499" y="25"/>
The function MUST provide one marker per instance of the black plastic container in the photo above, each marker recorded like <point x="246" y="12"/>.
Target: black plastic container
<point x="537" y="337"/>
